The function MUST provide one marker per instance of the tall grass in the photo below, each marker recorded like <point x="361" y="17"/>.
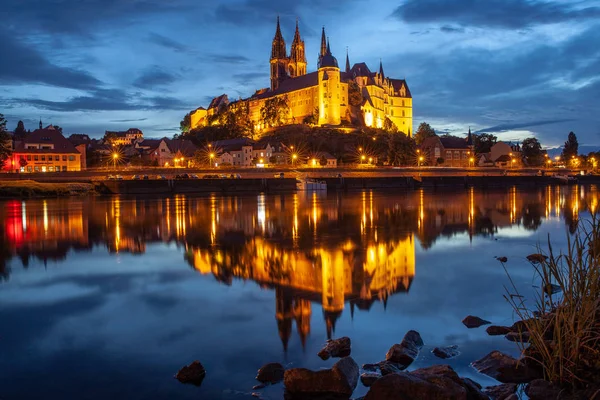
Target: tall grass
<point x="564" y="328"/>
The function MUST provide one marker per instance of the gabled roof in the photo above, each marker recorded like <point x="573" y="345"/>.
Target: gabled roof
<point x="397" y="85"/>
<point x="185" y="147"/>
<point x="219" y="101"/>
<point x="453" y="142"/>
<point x="232" y="144"/>
<point x="503" y="158"/>
<point x="46" y="136"/>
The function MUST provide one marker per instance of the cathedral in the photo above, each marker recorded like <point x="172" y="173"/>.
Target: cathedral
<point x="329" y="96"/>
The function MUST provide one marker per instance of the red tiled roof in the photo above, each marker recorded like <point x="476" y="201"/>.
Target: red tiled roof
<point x="47" y="136"/>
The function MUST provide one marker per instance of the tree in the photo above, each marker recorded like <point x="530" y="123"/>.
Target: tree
<point x="425" y="130"/>
<point x="275" y="111"/>
<point x="20" y="130"/>
<point x="401" y="149"/>
<point x="571" y="147"/>
<point x="110" y="138"/>
<point x="355" y="97"/>
<point x="483" y="142"/>
<point x="5" y="142"/>
<point x="22" y="162"/>
<point x="389" y="126"/>
<point x="313" y="118"/>
<point x="323" y="161"/>
<point x="532" y="152"/>
<point x="58" y="128"/>
<point x="185" y="123"/>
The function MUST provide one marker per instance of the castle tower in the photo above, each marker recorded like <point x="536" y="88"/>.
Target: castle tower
<point x="323" y="50"/>
<point x="329" y="89"/>
<point x="278" y="59"/>
<point x="297" y="66"/>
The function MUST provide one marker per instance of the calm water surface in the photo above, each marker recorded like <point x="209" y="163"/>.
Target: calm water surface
<point x="108" y="297"/>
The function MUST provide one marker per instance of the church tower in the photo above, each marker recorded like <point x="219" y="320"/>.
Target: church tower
<point x="297" y="66"/>
<point x="329" y="89"/>
<point x="323" y="50"/>
<point x="278" y="59"/>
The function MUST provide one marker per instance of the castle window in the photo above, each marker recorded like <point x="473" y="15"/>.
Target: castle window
<point x="325" y="84"/>
<point x="392" y="113"/>
<point x="403" y="113"/>
<point x="402" y="103"/>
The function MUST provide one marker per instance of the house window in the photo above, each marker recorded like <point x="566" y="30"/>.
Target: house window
<point x="457" y="155"/>
<point x="64" y="158"/>
<point x="437" y="152"/>
<point x="29" y="169"/>
<point x="50" y="169"/>
<point x="56" y="158"/>
<point x="162" y="150"/>
<point x="36" y="168"/>
<point x="28" y="157"/>
<point x="71" y="158"/>
<point x="449" y="155"/>
<point x="35" y="158"/>
<point x="403" y="113"/>
<point x="64" y="167"/>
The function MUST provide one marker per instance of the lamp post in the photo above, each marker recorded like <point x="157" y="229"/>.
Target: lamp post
<point x="362" y="159"/>
<point x="512" y="162"/>
<point x="549" y="163"/>
<point x="370" y="160"/>
<point x="420" y="161"/>
<point x="471" y="162"/>
<point x="115" y="158"/>
<point x="294" y="156"/>
<point x="211" y="155"/>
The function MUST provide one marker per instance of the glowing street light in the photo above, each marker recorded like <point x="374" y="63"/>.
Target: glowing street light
<point x="115" y="158"/>
<point x="513" y="162"/>
<point x="420" y="161"/>
<point x="362" y="158"/>
<point x="294" y="157"/>
<point x="211" y="156"/>
<point x="370" y="160"/>
<point x="471" y="160"/>
<point x="549" y="162"/>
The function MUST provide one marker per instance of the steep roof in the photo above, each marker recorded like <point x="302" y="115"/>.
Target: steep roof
<point x="397" y="85"/>
<point x="186" y="147"/>
<point x="218" y="101"/>
<point x="453" y="142"/>
<point x="232" y="144"/>
<point x="46" y="136"/>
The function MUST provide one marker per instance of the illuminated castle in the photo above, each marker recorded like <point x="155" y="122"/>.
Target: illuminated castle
<point x="329" y="96"/>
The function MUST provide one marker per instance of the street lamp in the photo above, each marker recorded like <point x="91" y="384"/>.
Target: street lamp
<point x="211" y="155"/>
<point x="115" y="157"/>
<point x="370" y="160"/>
<point x="362" y="158"/>
<point x="294" y="156"/>
<point x="420" y="160"/>
<point x="513" y="162"/>
<point x="549" y="162"/>
<point x="471" y="161"/>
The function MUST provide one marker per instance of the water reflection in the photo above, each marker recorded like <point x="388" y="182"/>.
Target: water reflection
<point x="339" y="251"/>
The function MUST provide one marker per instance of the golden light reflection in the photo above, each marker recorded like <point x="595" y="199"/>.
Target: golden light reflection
<point x="45" y="216"/>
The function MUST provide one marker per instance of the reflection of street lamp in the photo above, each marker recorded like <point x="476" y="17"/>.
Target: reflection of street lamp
<point x="115" y="157"/>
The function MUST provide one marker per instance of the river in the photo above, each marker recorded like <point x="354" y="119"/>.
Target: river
<point x="107" y="297"/>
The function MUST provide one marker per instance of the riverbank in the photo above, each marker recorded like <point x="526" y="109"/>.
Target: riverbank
<point x="30" y="188"/>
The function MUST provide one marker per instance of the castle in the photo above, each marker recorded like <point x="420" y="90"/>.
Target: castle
<point x="328" y="96"/>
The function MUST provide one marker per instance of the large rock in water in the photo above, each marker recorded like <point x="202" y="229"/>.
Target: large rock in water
<point x="336" y="348"/>
<point x="270" y="373"/>
<point x="505" y="368"/>
<point x="420" y="384"/>
<point x="474" y="322"/>
<point x="193" y="374"/>
<point x="446" y="352"/>
<point x="407" y="351"/>
<point x="501" y="392"/>
<point x="496" y="330"/>
<point x="337" y="382"/>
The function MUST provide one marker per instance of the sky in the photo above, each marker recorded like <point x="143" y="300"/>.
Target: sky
<point x="514" y="68"/>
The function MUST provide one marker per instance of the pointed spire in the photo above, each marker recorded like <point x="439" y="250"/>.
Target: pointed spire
<point x="347" y="61"/>
<point x="278" y="50"/>
<point x="328" y="48"/>
<point x="323" y="43"/>
<point x="278" y="31"/>
<point x="381" y="69"/>
<point x="40" y="123"/>
<point x="297" y="33"/>
<point x="469" y="138"/>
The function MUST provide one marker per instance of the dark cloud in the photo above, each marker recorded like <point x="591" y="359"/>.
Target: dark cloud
<point x="452" y="29"/>
<point x="248" y="78"/>
<point x="25" y="65"/>
<point x="129" y="120"/>
<point x="167" y="42"/>
<point x="513" y="126"/>
<point x="228" y="59"/>
<point x="154" y="77"/>
<point x="512" y="14"/>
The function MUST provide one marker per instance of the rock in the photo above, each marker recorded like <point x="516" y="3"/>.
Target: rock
<point x="446" y="352"/>
<point x="501" y="392"/>
<point x="270" y="373"/>
<point x="496" y="330"/>
<point x="416" y="386"/>
<point x="407" y="351"/>
<point x="259" y="386"/>
<point x="540" y="389"/>
<point x="505" y="368"/>
<point x="522" y="337"/>
<point x="193" y="374"/>
<point x="474" y="322"/>
<point x="388" y="367"/>
<point x="370" y="367"/>
<point x="335" y="348"/>
<point x="340" y="380"/>
<point x="368" y="378"/>
<point x="521" y="326"/>
<point x="513" y="397"/>
<point x="474" y="390"/>
<point x="537" y="258"/>
<point x="502" y="259"/>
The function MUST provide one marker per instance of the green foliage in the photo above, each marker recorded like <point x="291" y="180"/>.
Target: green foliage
<point x="275" y="111"/>
<point x="483" y="142"/>
<point x="401" y="149"/>
<point x="389" y="126"/>
<point x="185" y="123"/>
<point x="110" y="138"/>
<point x="313" y="118"/>
<point x="230" y="122"/>
<point x="423" y="132"/>
<point x="532" y="152"/>
<point x="355" y="97"/>
<point x="571" y="147"/>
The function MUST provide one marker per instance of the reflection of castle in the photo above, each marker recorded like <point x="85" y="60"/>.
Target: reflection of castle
<point x="330" y="276"/>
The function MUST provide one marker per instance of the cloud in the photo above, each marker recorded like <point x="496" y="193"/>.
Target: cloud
<point x="510" y="14"/>
<point x="167" y="42"/>
<point x="228" y="59"/>
<point x="154" y="77"/>
<point x="129" y="120"/>
<point x="452" y="29"/>
<point x="25" y="65"/>
<point x="513" y="126"/>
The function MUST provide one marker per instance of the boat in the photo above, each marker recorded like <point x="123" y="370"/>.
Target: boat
<point x="564" y="179"/>
<point x="310" y="184"/>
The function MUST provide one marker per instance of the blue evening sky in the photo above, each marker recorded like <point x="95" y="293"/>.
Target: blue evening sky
<point x="516" y="68"/>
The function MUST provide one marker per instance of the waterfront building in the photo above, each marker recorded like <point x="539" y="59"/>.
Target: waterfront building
<point x="126" y="138"/>
<point x="448" y="151"/>
<point x="329" y="96"/>
<point x="172" y="152"/>
<point x="45" y="150"/>
<point x="503" y="155"/>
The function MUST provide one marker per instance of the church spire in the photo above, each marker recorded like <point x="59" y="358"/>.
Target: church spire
<point x="381" y="69"/>
<point x="323" y="43"/>
<point x="40" y="123"/>
<point x="347" y="61"/>
<point x="297" y="61"/>
<point x="469" y="138"/>
<point x="297" y="33"/>
<point x="278" y="50"/>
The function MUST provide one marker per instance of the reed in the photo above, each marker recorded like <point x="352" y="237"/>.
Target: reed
<point x="563" y="325"/>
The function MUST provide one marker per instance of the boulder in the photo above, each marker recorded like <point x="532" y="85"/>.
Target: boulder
<point x="389" y="367"/>
<point x="522" y="337"/>
<point x="335" y="348"/>
<point x="474" y="390"/>
<point x="495" y="330"/>
<point x="193" y="374"/>
<point x="540" y="389"/>
<point x="368" y="378"/>
<point x="408" y="386"/>
<point x="270" y="373"/>
<point x="474" y="322"/>
<point x="446" y="352"/>
<point x="407" y="351"/>
<point x="339" y="381"/>
<point x="505" y="368"/>
<point x="501" y="392"/>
